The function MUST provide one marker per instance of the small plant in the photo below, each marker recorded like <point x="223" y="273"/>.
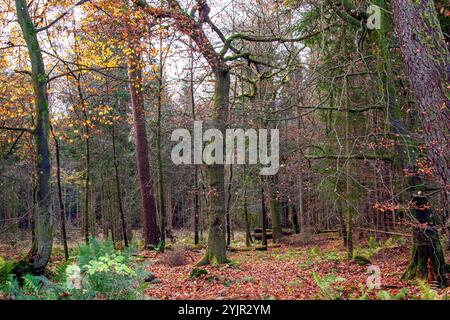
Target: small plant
<point x="195" y="273"/>
<point x="159" y="247"/>
<point x="328" y="285"/>
<point x="386" y="295"/>
<point x="394" y="242"/>
<point x="426" y="292"/>
<point x="372" y="243"/>
<point x="233" y="263"/>
<point x="228" y="283"/>
<point x="268" y="298"/>
<point x="332" y="256"/>
<point x="315" y="251"/>
<point x="362" y="260"/>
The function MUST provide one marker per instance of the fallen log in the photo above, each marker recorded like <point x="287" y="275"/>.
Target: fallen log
<point x="259" y="248"/>
<point x="385" y="232"/>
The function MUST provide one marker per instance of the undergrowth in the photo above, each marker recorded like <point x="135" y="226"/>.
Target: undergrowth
<point x="97" y="271"/>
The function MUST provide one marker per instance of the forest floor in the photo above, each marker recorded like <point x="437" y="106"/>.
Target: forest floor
<point x="286" y="272"/>
<point x="316" y="270"/>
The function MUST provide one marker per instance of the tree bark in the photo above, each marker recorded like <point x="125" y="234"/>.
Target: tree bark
<point x="228" y="205"/>
<point x="161" y="202"/>
<point x="216" y="251"/>
<point x="151" y="230"/>
<point x="40" y="256"/>
<point x="427" y="60"/>
<point x="275" y="211"/>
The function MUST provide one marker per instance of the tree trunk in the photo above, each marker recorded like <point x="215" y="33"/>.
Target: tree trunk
<point x="87" y="183"/>
<point x="426" y="244"/>
<point x="248" y="236"/>
<point x="275" y="211"/>
<point x="263" y="217"/>
<point x="228" y="205"/>
<point x="196" y="190"/>
<point x="151" y="230"/>
<point x="62" y="212"/>
<point x="342" y="222"/>
<point x="427" y="60"/>
<point x="118" y="189"/>
<point x="161" y="202"/>
<point x="40" y="256"/>
<point x="216" y="251"/>
<point x="348" y="192"/>
<point x="295" y="223"/>
<point x="301" y="215"/>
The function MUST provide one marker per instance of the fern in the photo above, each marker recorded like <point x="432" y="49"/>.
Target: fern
<point x="60" y="272"/>
<point x="328" y="285"/>
<point x="372" y="243"/>
<point x="108" y="273"/>
<point x="6" y="267"/>
<point x="426" y="292"/>
<point x="32" y="283"/>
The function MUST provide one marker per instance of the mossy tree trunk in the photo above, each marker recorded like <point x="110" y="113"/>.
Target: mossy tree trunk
<point x="42" y="248"/>
<point x="427" y="248"/>
<point x="216" y="250"/>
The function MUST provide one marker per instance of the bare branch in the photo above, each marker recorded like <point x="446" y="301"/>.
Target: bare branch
<point x="65" y="13"/>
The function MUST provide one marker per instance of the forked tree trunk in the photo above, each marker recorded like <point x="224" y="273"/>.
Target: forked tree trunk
<point x="41" y="250"/>
<point x="151" y="230"/>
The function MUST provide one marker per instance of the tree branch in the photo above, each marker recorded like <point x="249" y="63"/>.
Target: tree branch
<point x="17" y="129"/>
<point x="67" y="12"/>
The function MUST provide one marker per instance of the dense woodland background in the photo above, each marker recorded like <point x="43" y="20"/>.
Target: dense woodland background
<point x="89" y="97"/>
